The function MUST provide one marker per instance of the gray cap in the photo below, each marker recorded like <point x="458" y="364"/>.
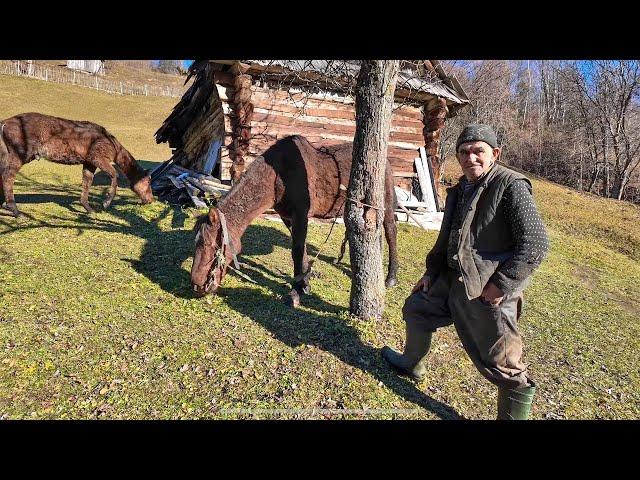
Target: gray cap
<point x="477" y="133"/>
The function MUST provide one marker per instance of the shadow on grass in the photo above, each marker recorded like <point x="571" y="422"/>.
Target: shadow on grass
<point x="161" y="261"/>
<point x="261" y="240"/>
<point x="163" y="253"/>
<point x="328" y="333"/>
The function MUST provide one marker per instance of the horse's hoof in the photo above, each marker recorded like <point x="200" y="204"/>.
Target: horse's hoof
<point x="13" y="209"/>
<point x="390" y="282"/>
<point x="291" y="299"/>
<point x="89" y="209"/>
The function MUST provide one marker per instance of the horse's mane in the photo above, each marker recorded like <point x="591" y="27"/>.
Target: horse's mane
<point x="200" y="220"/>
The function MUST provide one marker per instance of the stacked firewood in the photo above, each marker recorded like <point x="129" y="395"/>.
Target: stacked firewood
<point x="180" y="186"/>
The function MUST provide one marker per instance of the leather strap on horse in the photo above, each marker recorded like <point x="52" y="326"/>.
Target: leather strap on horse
<point x="225" y="236"/>
<point x="226" y="242"/>
<point x="301" y="276"/>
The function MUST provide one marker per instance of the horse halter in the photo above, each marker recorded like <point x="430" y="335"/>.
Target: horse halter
<point x="219" y="257"/>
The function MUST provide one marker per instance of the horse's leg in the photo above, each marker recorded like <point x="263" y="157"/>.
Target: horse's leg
<point x="299" y="246"/>
<point x="287" y="223"/>
<point x="111" y="193"/>
<point x="87" y="179"/>
<point x="300" y="261"/>
<point x="8" y="178"/>
<point x="342" y="249"/>
<point x="391" y="234"/>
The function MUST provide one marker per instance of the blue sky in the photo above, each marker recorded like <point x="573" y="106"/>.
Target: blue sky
<point x="186" y="63"/>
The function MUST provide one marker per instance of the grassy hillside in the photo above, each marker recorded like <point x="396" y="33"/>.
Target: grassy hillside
<point x="97" y="318"/>
<point x="122" y="72"/>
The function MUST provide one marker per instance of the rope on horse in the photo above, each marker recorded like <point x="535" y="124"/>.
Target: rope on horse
<point x="301" y="276"/>
<point x="359" y="204"/>
<point x="225" y="237"/>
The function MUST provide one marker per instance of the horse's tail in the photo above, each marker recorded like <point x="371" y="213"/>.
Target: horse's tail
<point x="4" y="151"/>
<point x="395" y="198"/>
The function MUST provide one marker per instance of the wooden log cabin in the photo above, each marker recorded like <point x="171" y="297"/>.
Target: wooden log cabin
<point x="235" y="109"/>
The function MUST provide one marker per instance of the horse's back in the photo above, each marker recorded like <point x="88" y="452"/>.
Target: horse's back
<point x="309" y="177"/>
<point x="33" y="135"/>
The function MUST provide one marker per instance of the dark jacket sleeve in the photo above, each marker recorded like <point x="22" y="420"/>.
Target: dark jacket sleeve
<point x="436" y="259"/>
<point x="529" y="234"/>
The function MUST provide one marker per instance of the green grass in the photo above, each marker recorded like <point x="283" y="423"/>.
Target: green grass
<point x="97" y="320"/>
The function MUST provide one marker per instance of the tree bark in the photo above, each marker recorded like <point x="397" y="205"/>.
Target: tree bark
<point x="374" y="102"/>
<point x="619" y="184"/>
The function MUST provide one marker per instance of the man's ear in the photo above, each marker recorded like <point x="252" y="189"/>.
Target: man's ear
<point x="496" y="153"/>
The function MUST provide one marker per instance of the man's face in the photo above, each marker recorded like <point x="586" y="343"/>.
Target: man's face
<point x="476" y="158"/>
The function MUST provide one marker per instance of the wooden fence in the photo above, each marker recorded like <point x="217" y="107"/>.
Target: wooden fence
<point x="72" y="77"/>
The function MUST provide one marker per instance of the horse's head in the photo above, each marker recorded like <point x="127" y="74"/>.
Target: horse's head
<point x="212" y="255"/>
<point x="142" y="188"/>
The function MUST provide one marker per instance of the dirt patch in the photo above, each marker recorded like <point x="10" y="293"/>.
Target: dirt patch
<point x="585" y="275"/>
<point x="630" y="305"/>
<point x="588" y="277"/>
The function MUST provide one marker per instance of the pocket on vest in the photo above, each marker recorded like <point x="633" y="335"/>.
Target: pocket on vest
<point x="486" y="264"/>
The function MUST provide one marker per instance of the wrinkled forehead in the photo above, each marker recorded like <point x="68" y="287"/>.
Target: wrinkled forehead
<point x="475" y="146"/>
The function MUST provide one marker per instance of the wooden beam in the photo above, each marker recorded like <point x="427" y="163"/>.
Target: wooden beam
<point x="239" y="68"/>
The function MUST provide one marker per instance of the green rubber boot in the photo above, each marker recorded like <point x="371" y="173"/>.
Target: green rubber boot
<point x="515" y="403"/>
<point x="413" y="361"/>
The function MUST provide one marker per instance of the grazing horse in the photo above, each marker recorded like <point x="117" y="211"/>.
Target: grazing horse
<point x="298" y="181"/>
<point x="31" y="136"/>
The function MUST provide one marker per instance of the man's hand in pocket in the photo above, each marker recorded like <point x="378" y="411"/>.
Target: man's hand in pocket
<point x="492" y="294"/>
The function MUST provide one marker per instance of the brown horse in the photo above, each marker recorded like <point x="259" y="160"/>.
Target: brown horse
<point x="31" y="136"/>
<point x="298" y="181"/>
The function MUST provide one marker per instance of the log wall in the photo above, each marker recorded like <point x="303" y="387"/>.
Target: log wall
<point x="323" y="119"/>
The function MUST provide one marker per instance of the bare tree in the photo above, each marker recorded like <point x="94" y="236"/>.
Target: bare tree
<point x="364" y="211"/>
<point x="168" y="66"/>
<point x="574" y="122"/>
<point x="605" y="93"/>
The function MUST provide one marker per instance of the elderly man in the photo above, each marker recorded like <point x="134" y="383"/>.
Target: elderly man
<point x="491" y="240"/>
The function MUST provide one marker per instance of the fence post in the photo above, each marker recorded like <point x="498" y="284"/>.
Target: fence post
<point x="30" y="69"/>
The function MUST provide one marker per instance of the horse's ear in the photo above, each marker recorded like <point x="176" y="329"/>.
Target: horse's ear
<point x="213" y="216"/>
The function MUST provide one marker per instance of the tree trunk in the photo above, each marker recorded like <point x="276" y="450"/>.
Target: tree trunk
<point x="619" y="184"/>
<point x="374" y="102"/>
<point x="594" y="179"/>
